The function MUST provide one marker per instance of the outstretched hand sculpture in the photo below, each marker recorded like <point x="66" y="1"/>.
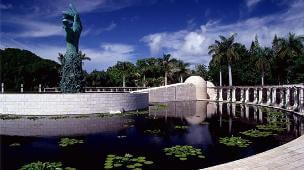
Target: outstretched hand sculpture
<point x="72" y="75"/>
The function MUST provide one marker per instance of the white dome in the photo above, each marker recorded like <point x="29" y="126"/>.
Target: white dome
<point x="211" y="91"/>
<point x="200" y="85"/>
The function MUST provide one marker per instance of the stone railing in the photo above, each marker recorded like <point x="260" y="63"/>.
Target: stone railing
<point x="290" y="97"/>
<point x="87" y="89"/>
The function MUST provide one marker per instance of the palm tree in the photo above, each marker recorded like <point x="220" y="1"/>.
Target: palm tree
<point x="290" y="47"/>
<point x="182" y="69"/>
<point x="226" y="49"/>
<point x="83" y="57"/>
<point x="263" y="62"/>
<point x="167" y="65"/>
<point x="217" y="57"/>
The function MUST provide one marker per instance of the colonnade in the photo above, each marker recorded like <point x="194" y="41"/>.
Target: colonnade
<point x="290" y="97"/>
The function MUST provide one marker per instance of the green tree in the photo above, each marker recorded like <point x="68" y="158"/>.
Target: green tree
<point x="168" y="66"/>
<point x="217" y="57"/>
<point x="263" y="56"/>
<point x="201" y="70"/>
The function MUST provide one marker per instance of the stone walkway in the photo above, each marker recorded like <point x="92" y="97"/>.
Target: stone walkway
<point x="284" y="157"/>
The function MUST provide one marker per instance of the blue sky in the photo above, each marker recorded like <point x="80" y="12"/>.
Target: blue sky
<point x="126" y="30"/>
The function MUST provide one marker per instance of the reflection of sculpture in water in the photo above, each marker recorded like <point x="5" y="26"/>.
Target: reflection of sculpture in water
<point x="72" y="75"/>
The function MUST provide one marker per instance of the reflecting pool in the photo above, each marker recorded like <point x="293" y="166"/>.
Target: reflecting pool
<point x="128" y="138"/>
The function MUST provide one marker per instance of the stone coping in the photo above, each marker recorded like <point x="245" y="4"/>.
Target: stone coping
<point x="284" y="157"/>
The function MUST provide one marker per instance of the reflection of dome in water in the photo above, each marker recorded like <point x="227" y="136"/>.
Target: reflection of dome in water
<point x="200" y="85"/>
<point x="200" y="109"/>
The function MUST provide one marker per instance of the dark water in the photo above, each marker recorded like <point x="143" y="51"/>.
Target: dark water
<point x="207" y="122"/>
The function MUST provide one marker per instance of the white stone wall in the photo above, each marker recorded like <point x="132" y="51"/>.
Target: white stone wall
<point x="79" y="103"/>
<point x="174" y="92"/>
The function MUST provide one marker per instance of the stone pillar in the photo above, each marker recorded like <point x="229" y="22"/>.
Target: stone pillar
<point x="255" y="95"/>
<point x="268" y="90"/>
<point x="287" y="98"/>
<point x="246" y="95"/>
<point x="39" y="88"/>
<point x="220" y="93"/>
<point x="233" y="94"/>
<point x="2" y="87"/>
<point x="260" y="96"/>
<point x="21" y="88"/>
<point x="282" y="97"/>
<point x="228" y="94"/>
<point x="274" y="96"/>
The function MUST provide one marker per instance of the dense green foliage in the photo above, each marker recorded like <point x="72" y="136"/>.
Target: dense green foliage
<point x="280" y="64"/>
<point x="235" y="141"/>
<point x="183" y="152"/>
<point x="45" y="166"/>
<point x="126" y="161"/>
<point x="23" y="67"/>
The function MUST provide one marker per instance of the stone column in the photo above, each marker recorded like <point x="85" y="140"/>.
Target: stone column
<point x="260" y="96"/>
<point x="274" y="96"/>
<point x="2" y="87"/>
<point x="282" y="97"/>
<point x="268" y="90"/>
<point x="21" y="88"/>
<point x="246" y="95"/>
<point x="255" y="95"/>
<point x="233" y="94"/>
<point x="220" y="93"/>
<point x="228" y="94"/>
<point x="287" y="98"/>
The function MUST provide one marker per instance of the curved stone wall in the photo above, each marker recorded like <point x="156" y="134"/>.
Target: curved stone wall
<point x="78" y="103"/>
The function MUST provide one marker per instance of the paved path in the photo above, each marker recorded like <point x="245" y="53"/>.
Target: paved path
<point x="284" y="157"/>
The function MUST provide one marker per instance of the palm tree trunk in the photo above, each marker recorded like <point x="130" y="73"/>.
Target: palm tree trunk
<point x="230" y="75"/>
<point x="221" y="84"/>
<point x="166" y="74"/>
<point x="262" y="78"/>
<point x="144" y="81"/>
<point x="181" y="79"/>
<point x="123" y="80"/>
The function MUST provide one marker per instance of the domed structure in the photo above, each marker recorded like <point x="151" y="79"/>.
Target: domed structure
<point x="200" y="86"/>
<point x="211" y="91"/>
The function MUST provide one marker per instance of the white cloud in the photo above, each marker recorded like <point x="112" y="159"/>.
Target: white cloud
<point x="108" y="55"/>
<point x="192" y="46"/>
<point x="252" y="3"/>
